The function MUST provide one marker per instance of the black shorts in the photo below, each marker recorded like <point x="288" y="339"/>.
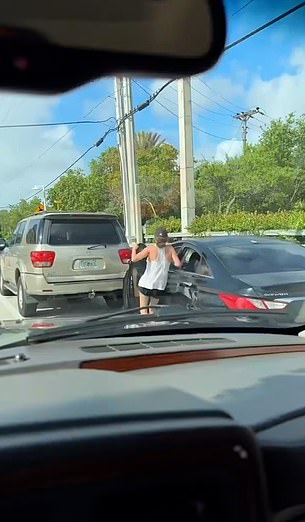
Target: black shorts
<point x="151" y="293"/>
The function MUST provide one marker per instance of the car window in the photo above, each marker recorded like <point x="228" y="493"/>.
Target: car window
<point x="202" y="267"/>
<point x="259" y="259"/>
<point x="84" y="232"/>
<point x="190" y="260"/>
<point x="19" y="233"/>
<point x="32" y="235"/>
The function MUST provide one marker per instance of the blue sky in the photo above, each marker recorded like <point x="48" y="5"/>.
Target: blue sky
<point x="267" y="71"/>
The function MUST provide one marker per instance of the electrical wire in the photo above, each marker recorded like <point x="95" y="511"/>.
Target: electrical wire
<point x="154" y="96"/>
<point x="242" y="8"/>
<point x="220" y="95"/>
<point x="265" y="26"/>
<point x="214" y="101"/>
<point x="176" y="115"/>
<point x="53" y="124"/>
<point x="136" y="109"/>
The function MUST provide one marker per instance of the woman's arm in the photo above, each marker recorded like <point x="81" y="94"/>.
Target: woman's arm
<point x="175" y="259"/>
<point x="141" y="255"/>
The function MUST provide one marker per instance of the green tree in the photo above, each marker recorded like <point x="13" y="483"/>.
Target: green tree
<point x="77" y="191"/>
<point x="158" y="179"/>
<point x="270" y="176"/>
<point x="10" y="217"/>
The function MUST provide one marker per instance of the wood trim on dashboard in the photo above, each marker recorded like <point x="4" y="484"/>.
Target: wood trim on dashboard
<point x="141" y="362"/>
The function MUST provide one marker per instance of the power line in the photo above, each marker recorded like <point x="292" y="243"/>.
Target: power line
<point x="242" y="7"/>
<point x="220" y="95"/>
<point x="149" y="101"/>
<point x="45" y="151"/>
<point x="176" y="115"/>
<point x="210" y="110"/>
<point x="264" y="26"/>
<point x="203" y="108"/>
<point x="214" y="101"/>
<point x="53" y="124"/>
<point x="136" y="109"/>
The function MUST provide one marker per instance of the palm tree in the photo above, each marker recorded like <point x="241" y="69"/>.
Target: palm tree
<point x="149" y="140"/>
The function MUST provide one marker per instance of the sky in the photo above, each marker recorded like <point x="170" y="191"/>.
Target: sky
<point x="266" y="71"/>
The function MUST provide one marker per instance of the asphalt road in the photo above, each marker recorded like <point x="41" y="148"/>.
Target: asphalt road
<point x="66" y="312"/>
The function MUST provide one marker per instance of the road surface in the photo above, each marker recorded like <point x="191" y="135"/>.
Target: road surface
<point x="65" y="311"/>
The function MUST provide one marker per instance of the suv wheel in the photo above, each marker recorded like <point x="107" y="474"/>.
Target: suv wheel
<point x="3" y="289"/>
<point x="25" y="308"/>
<point x="114" y="301"/>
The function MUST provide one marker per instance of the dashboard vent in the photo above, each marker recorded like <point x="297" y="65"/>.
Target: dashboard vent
<point x="180" y="344"/>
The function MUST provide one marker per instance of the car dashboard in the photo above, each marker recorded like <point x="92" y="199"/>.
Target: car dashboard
<point x="220" y="438"/>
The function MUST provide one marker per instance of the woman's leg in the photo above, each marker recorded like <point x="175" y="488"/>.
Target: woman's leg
<point x="153" y="301"/>
<point x="144" y="301"/>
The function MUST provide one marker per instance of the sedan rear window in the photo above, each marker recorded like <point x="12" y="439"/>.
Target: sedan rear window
<point x="261" y="258"/>
<point x="84" y="232"/>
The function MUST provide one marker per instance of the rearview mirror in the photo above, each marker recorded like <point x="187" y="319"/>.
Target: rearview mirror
<point x="55" y="46"/>
<point x="3" y="244"/>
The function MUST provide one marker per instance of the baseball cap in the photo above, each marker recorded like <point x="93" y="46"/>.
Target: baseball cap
<point x="161" y="233"/>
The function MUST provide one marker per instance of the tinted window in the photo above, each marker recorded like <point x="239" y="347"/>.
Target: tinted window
<point x="84" y="232"/>
<point x="190" y="260"/>
<point x="259" y="258"/>
<point x="19" y="232"/>
<point x="32" y="233"/>
<point x="196" y="263"/>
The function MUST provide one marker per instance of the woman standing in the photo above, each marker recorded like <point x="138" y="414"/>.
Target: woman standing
<point x="159" y="257"/>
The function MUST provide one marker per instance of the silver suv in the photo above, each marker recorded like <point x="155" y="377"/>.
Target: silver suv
<point x="58" y="254"/>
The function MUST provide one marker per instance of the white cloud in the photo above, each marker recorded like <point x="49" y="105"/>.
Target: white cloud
<point x="284" y="93"/>
<point x="228" y="149"/>
<point x="20" y="165"/>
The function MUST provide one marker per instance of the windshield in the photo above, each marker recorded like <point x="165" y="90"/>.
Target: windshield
<point x="185" y="194"/>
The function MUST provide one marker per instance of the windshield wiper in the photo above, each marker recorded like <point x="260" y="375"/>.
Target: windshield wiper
<point x="98" y="245"/>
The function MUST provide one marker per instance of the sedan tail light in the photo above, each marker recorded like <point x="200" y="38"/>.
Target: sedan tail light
<point x="42" y="259"/>
<point x="238" y="302"/>
<point x="125" y="255"/>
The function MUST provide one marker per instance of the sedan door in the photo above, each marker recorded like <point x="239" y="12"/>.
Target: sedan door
<point x="188" y="285"/>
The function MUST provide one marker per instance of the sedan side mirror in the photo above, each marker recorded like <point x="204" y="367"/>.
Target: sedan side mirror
<point x="3" y="244"/>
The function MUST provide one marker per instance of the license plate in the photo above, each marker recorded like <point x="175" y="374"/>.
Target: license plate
<point x="88" y="264"/>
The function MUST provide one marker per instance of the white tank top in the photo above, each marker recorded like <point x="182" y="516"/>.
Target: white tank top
<point x="156" y="273"/>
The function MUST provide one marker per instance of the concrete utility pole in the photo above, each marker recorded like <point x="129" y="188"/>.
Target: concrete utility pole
<point x="133" y="177"/>
<point x="118" y="82"/>
<point x="187" y="191"/>
<point x="43" y="190"/>
<point x="244" y="117"/>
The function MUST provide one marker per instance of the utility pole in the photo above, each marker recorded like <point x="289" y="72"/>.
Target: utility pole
<point x="133" y="177"/>
<point x="123" y="156"/>
<point x="244" y="117"/>
<point x="43" y="190"/>
<point x="187" y="190"/>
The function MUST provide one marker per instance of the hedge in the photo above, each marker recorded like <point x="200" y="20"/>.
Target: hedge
<point x="237" y="222"/>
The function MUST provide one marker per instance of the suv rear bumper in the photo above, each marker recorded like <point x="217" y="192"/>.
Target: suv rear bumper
<point x="36" y="285"/>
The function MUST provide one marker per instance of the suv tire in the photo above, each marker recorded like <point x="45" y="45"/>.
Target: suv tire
<point x="25" y="308"/>
<point x="3" y="290"/>
<point x="114" y="301"/>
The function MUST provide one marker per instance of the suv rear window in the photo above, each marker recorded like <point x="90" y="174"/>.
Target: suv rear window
<point x="261" y="259"/>
<point x="84" y="232"/>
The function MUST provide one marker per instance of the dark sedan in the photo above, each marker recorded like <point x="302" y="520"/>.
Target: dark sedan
<point x="235" y="273"/>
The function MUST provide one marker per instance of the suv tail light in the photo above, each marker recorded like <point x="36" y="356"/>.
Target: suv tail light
<point x="42" y="259"/>
<point x="238" y="302"/>
<point x="125" y="255"/>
